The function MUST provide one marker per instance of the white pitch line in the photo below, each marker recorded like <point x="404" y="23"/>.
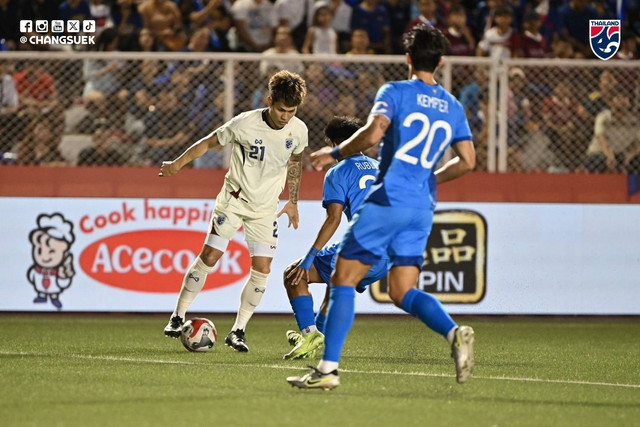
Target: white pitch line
<point x="296" y="368"/>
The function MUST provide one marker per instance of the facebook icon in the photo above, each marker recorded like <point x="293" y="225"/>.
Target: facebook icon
<point x="26" y="26"/>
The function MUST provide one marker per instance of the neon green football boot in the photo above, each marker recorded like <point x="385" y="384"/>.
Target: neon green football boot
<point x="307" y="346"/>
<point x="293" y="337"/>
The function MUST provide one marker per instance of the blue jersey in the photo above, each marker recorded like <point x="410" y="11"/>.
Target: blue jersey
<point x="425" y="121"/>
<point x="347" y="183"/>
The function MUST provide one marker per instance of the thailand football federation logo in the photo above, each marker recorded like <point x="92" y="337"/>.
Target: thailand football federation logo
<point x="604" y="37"/>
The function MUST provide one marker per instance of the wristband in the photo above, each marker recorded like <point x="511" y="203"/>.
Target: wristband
<point x="335" y="153"/>
<point x="308" y="260"/>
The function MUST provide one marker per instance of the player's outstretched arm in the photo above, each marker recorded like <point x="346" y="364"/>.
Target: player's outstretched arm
<point x="195" y="151"/>
<point x="367" y="136"/>
<point x="464" y="162"/>
<point x="329" y="227"/>
<point x="294" y="176"/>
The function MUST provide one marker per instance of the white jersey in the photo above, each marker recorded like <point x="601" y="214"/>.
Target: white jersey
<point x="259" y="158"/>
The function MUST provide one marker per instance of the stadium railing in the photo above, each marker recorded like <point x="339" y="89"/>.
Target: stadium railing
<point x="141" y="108"/>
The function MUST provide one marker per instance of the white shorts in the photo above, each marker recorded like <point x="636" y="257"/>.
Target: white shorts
<point x="260" y="232"/>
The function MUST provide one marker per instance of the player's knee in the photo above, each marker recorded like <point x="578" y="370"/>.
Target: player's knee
<point x="397" y="295"/>
<point x="209" y="256"/>
<point x="261" y="268"/>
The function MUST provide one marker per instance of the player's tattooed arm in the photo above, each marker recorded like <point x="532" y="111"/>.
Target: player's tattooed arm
<point x="294" y="176"/>
<point x="368" y="136"/>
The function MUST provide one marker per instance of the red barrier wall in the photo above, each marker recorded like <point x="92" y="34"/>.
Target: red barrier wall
<point x="32" y="181"/>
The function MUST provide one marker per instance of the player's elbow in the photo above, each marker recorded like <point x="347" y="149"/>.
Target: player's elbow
<point x="470" y="163"/>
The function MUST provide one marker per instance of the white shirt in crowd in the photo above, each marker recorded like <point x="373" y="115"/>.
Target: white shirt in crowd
<point x="274" y="62"/>
<point x="260" y="19"/>
<point x="324" y="40"/>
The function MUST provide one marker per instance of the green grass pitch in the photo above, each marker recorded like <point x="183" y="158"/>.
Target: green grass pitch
<point x="82" y="370"/>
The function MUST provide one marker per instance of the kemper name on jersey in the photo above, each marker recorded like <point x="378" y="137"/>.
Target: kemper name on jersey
<point x="435" y="103"/>
<point x="365" y="165"/>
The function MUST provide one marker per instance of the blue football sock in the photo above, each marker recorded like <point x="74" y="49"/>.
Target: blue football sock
<point x="340" y="316"/>
<point x="429" y="310"/>
<point x="320" y="321"/>
<point x="303" y="311"/>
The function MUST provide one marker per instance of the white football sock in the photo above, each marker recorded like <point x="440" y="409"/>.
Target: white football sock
<point x="308" y="330"/>
<point x="192" y="284"/>
<point x="250" y="297"/>
<point x="326" y="366"/>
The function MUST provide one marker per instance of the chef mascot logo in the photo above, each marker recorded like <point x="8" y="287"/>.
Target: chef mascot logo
<point x="52" y="269"/>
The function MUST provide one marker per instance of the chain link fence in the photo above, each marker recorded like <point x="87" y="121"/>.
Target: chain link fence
<point x="119" y="109"/>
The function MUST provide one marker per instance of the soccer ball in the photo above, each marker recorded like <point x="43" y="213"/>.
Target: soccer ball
<point x="198" y="335"/>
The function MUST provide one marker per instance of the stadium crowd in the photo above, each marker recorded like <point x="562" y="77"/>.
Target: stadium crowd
<point x="113" y="112"/>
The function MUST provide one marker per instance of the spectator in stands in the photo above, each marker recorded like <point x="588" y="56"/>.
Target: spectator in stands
<point x="9" y="23"/>
<point x="40" y="9"/>
<point x="101" y="153"/>
<point x="534" y="44"/>
<point x="255" y="21"/>
<point x="628" y="45"/>
<point x="293" y="14"/>
<point x="164" y="20"/>
<point x="484" y="16"/>
<point x="373" y="17"/>
<point x="141" y="95"/>
<point x="501" y="41"/>
<point x="342" y="12"/>
<point x="427" y="16"/>
<point x="366" y="87"/>
<point x="146" y="41"/>
<point x="101" y="13"/>
<point x="399" y="16"/>
<point x="562" y="116"/>
<point x="103" y="75"/>
<point x="36" y="88"/>
<point x="126" y="18"/>
<point x="360" y="46"/>
<point x="10" y="125"/>
<point x="189" y="90"/>
<point x="318" y="85"/>
<point x="42" y="139"/>
<point x="360" y="43"/>
<point x="74" y="9"/>
<point x="213" y="15"/>
<point x="616" y="137"/>
<point x="470" y="94"/>
<point x="283" y="45"/>
<point x="461" y="42"/>
<point x="98" y="106"/>
<point x="321" y="38"/>
<point x="573" y="22"/>
<point x="599" y="99"/>
<point x="520" y="117"/>
<point x="212" y="118"/>
<point x="167" y="129"/>
<point x="562" y="48"/>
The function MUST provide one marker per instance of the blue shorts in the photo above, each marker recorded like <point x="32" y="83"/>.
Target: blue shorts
<point x="396" y="233"/>
<point x="325" y="262"/>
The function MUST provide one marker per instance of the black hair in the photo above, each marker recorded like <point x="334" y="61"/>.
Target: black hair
<point x="341" y="128"/>
<point x="425" y="45"/>
<point x="503" y="11"/>
<point x="106" y="37"/>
